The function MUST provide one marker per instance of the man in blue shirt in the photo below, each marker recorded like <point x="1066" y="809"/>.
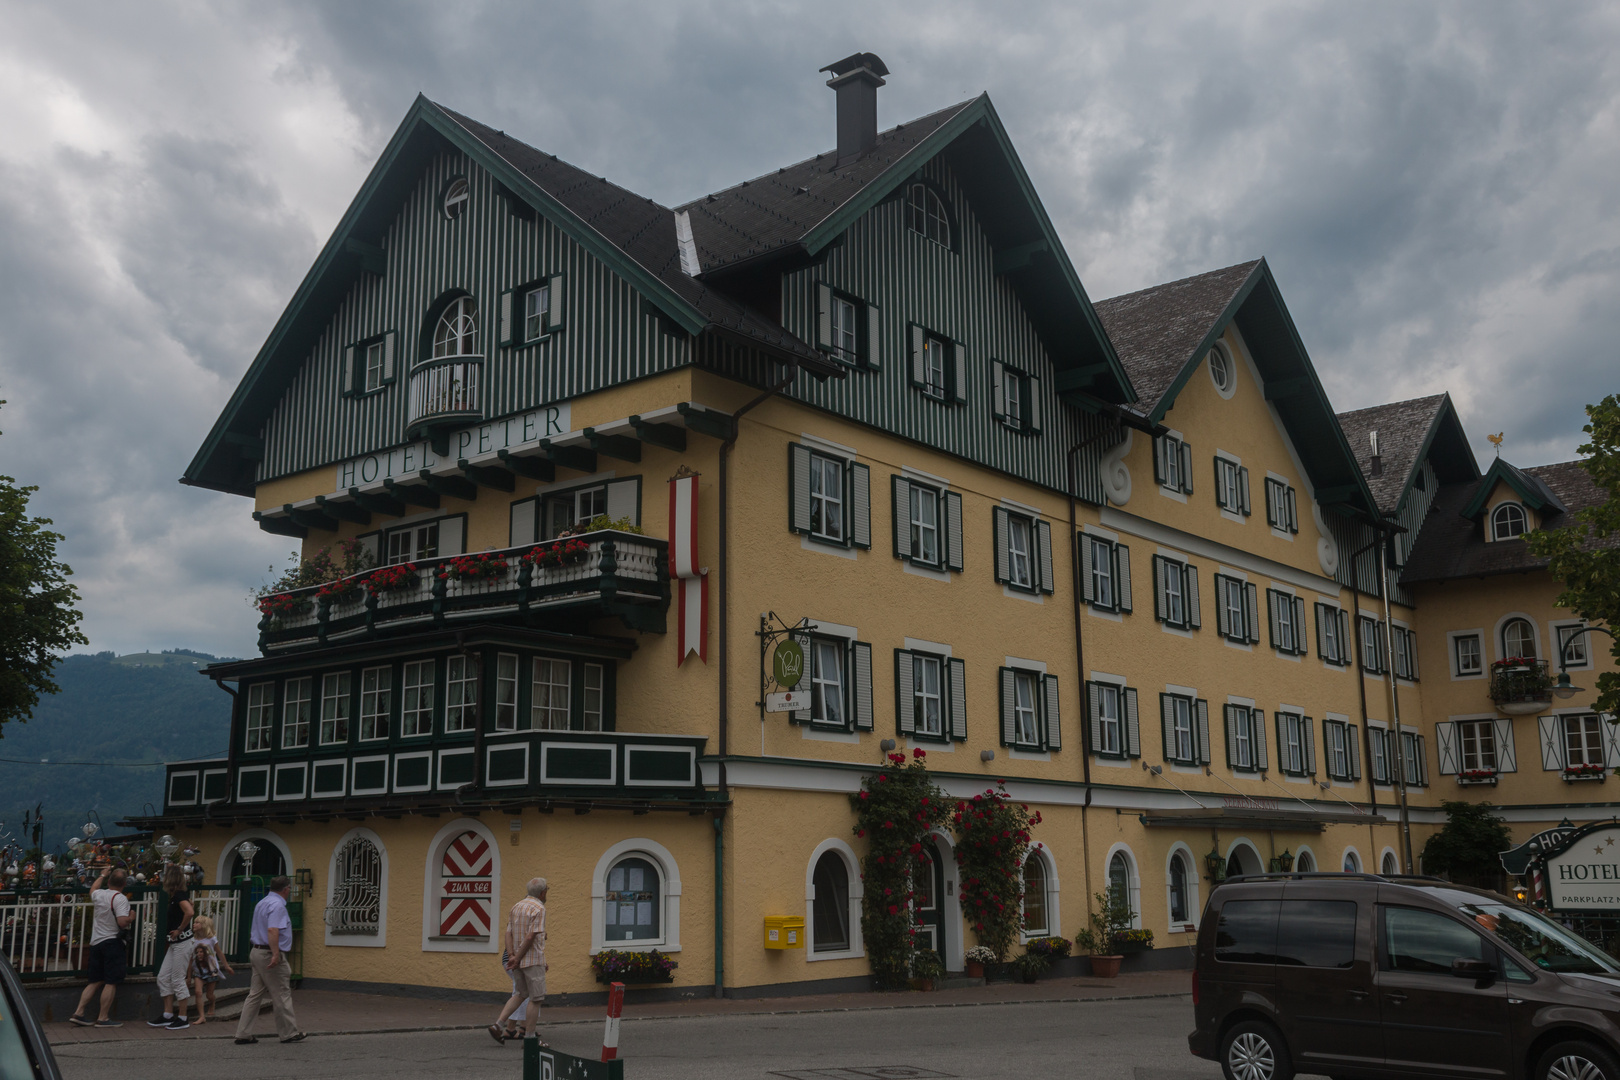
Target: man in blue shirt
<point x="272" y="976"/>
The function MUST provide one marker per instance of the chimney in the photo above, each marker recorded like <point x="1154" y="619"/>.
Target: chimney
<point x="855" y="80"/>
<point x="1377" y="468"/>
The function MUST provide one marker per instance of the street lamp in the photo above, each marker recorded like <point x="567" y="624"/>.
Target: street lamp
<point x="247" y="849"/>
<point x="166" y="847"/>
<point x="1563" y="687"/>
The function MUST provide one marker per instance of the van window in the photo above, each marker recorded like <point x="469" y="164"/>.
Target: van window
<point x="1317" y="933"/>
<point x="1427" y="942"/>
<point x="1246" y="932"/>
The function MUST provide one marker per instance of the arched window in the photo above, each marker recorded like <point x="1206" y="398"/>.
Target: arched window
<point x="466" y="900"/>
<point x="1391" y="864"/>
<point x="925" y="213"/>
<point x="1352" y="862"/>
<point x="457" y="331"/>
<point x="356" y="904"/>
<point x="454" y="203"/>
<point x="633" y="906"/>
<point x="830" y="911"/>
<point x="1036" y="892"/>
<point x="1507" y="521"/>
<point x="1121" y="889"/>
<point x="1180" y="907"/>
<point x="1220" y="370"/>
<point x="1518" y="639"/>
<point x="1305" y="863"/>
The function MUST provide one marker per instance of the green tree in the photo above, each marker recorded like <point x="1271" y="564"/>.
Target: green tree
<point x="1466" y="849"/>
<point x="1586" y="556"/>
<point x="38" y="620"/>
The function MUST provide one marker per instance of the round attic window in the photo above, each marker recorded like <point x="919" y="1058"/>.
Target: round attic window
<point x="1220" y="370"/>
<point x="454" y="203"/>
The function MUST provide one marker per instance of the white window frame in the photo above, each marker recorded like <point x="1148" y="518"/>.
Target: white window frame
<point x="669" y="924"/>
<point x="461" y="674"/>
<point x="1027" y="719"/>
<point x="923" y="531"/>
<point x="1025" y="579"/>
<point x="936" y="365"/>
<point x="1190" y="864"/>
<point x="1173" y="462"/>
<point x="1482" y="733"/>
<point x="1287" y="629"/>
<point x="820" y="683"/>
<point x="456" y="328"/>
<point x="376" y="712"/>
<point x="1052" y="899"/>
<point x="923" y="663"/>
<point x="1243" y="739"/>
<point x="1502" y="640"/>
<point x="852" y="869"/>
<point x="260" y="718"/>
<point x="336" y="698"/>
<point x="1133" y="880"/>
<point x="1500" y="519"/>
<point x="547" y="722"/>
<point x="375" y="354"/>
<point x="844" y="321"/>
<point x="1291" y="743"/>
<point x="416" y="721"/>
<point x="457" y="196"/>
<point x="1454" y="641"/>
<point x="506" y="691"/>
<point x="927" y="216"/>
<point x="535" y="316"/>
<point x="1228" y="486"/>
<point x="594" y="697"/>
<point x="1012" y="396"/>
<point x="1593" y="729"/>
<point x="1561" y="633"/>
<point x="822" y="500"/>
<point x="299" y="724"/>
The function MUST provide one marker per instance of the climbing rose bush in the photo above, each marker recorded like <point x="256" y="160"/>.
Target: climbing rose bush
<point x="894" y="810"/>
<point x="992" y="839"/>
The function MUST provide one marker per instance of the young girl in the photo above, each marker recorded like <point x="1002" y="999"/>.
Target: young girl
<point x="206" y="961"/>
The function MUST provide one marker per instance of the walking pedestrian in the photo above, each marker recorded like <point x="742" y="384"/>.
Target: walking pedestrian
<point x="272" y="940"/>
<point x="207" y="958"/>
<point x="171" y="980"/>
<point x="109" y="956"/>
<point x="519" y="986"/>
<point x="526" y="956"/>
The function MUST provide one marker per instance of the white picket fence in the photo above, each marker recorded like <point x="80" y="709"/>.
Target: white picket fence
<point x="51" y="935"/>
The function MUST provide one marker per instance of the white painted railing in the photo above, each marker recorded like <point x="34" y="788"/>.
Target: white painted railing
<point x="51" y="934"/>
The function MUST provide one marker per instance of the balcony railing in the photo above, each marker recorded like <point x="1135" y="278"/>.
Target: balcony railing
<point x="445" y="391"/>
<point x="1521" y="687"/>
<point x="619" y="574"/>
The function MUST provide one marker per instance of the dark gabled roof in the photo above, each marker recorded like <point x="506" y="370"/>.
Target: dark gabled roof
<point x="630" y="234"/>
<point x="1530" y="488"/>
<point x="1408" y="432"/>
<point x="795" y="213"/>
<point x="1164" y="332"/>
<point x="1452" y="545"/>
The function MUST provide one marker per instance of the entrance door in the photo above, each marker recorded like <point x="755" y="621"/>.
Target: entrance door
<point x="1434" y="1023"/>
<point x="930" y="903"/>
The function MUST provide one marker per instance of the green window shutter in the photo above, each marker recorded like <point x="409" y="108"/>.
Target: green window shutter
<point x="807" y="681"/>
<point x="1257" y="733"/>
<point x="1251" y="613"/>
<point x="1293" y="511"/>
<point x="1323" y="613"/>
<point x="1201" y="719"/>
<point x="874" y="336"/>
<point x="508" y="330"/>
<point x="1122" y="577"/>
<point x="1160" y="569"/>
<point x="1094" y="717"/>
<point x="1300" y="648"/>
<point x="1344" y="637"/>
<point x="1282" y="744"/>
<point x="1422" y="761"/>
<point x="1243" y="488"/>
<point x="1273" y="598"/>
<point x="555" y="305"/>
<point x="859" y="478"/>
<point x="900" y="496"/>
<point x="1133" y="722"/>
<point x="388" y="356"/>
<point x="1003" y="568"/>
<point x="346" y="376"/>
<point x="959" y="372"/>
<point x="905" y="706"/>
<point x="1088" y="588"/>
<point x="1043" y="541"/>
<point x="1186" y="469"/>
<point x="824" y="300"/>
<point x="1161" y="446"/>
<point x="1228" y="715"/>
<point x="1308" y="729"/>
<point x="1167" y="734"/>
<point x="956" y="670"/>
<point x="1352" y="739"/>
<point x="799" y="488"/>
<point x="953" y="532"/>
<point x="1223" y="616"/>
<point x="919" y="375"/>
<point x="1052" y="729"/>
<point x="1189" y="590"/>
<point x="861" y="663"/>
<point x="1008" y="732"/>
<point x="1220" y="488"/>
<point x="998" y="392"/>
<point x="1032" y="394"/>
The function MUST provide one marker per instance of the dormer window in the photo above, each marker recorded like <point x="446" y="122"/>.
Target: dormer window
<point x="457" y="332"/>
<point x="1507" y="521"/>
<point x="925" y="213"/>
<point x="456" y="193"/>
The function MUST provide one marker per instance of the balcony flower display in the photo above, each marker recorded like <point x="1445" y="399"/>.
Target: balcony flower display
<point x="565" y="552"/>
<point x="401" y="577"/>
<point x="616" y="965"/>
<point x="340" y="590"/>
<point x="281" y="606"/>
<point x="477" y="568"/>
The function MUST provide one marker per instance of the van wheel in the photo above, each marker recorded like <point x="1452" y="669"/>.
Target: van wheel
<point x="1254" y="1050"/>
<point x="1577" y="1061"/>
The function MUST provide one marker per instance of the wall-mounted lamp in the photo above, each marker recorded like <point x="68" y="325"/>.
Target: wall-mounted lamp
<point x="886" y="745"/>
<point x="987" y="755"/>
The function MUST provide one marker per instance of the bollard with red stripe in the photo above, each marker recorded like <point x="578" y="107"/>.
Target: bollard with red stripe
<point x="610" y="1035"/>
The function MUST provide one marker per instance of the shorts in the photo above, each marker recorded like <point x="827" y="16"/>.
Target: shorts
<point x="535" y="979"/>
<point x="108" y="961"/>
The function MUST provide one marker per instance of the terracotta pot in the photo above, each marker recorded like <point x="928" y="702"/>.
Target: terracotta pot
<point x="922" y="984"/>
<point x="1105" y="967"/>
<point x="973" y="969"/>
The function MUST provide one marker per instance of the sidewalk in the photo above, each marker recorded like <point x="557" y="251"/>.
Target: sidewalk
<point x="330" y="1012"/>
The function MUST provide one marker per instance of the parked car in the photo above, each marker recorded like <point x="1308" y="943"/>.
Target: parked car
<point x="1356" y="975"/>
<point x="24" y="1050"/>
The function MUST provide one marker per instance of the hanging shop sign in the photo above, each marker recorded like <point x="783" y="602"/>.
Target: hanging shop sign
<point x="1517" y="860"/>
<point x="787" y="701"/>
<point x="787" y="663"/>
<point x="1583" y="872"/>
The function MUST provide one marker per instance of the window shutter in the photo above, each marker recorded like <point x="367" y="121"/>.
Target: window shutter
<point x="388" y="356"/>
<point x="1611" y="743"/>
<point x="1300" y="648"/>
<point x="1308" y="727"/>
<point x="805" y="716"/>
<point x="905" y="708"/>
<point x="1133" y="723"/>
<point x="1383" y="646"/>
<point x="1122" y="576"/>
<point x="1088" y="588"/>
<point x="1322" y="615"/>
<point x="522" y="530"/>
<point x="1422" y="761"/>
<point x="1293" y="511"/>
<point x="1032" y="394"/>
<point x="1220" y="488"/>
<point x="860" y="505"/>
<point x="824" y="316"/>
<point x="505" y="321"/>
<point x="1506" y="760"/>
<point x="1251" y="612"/>
<point x="953" y="531"/>
<point x="874" y="337"/>
<point x="1160" y="565"/>
<point x="1282" y="744"/>
<point x="370" y="542"/>
<point x="1043" y="540"/>
<point x="1380" y="762"/>
<point x="1189" y="592"/>
<point x="1053" y="729"/>
<point x="1160" y="445"/>
<point x="453" y="534"/>
<point x="1445" y="745"/>
<point x="919" y="376"/>
<point x="958" y="677"/>
<point x="1167" y="726"/>
<point x="554" y="303"/>
<point x="998" y="392"/>
<point x="1202" y="716"/>
<point x="1257" y="732"/>
<point x="1186" y="469"/>
<point x="959" y="371"/>
<point x="799" y="487"/>
<point x="900" y="494"/>
<point x="1352" y="739"/>
<point x="1228" y="714"/>
<point x="1411" y="656"/>
<point x="1344" y="638"/>
<point x="624" y="500"/>
<point x="1007" y="730"/>
<point x="1003" y="569"/>
<point x="347" y="375"/>
<point x="1552" y="742"/>
<point x="1094" y="717"/>
<point x="1273" y="598"/>
<point x="1223" y="616"/>
<point x="861" y="663"/>
<point x="1273" y="504"/>
<point x="1243" y="487"/>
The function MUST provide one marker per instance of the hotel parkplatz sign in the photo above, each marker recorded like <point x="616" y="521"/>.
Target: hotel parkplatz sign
<point x="1583" y="873"/>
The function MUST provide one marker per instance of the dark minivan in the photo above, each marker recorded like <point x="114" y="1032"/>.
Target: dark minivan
<point x="1356" y="975"/>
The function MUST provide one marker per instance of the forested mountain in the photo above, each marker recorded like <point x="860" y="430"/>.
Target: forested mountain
<point x="140" y="707"/>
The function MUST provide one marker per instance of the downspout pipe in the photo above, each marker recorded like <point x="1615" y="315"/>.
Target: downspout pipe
<point x="1395" y="707"/>
<point x="1361" y="683"/>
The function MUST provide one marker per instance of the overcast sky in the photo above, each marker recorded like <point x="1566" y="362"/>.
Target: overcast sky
<point x="1434" y="185"/>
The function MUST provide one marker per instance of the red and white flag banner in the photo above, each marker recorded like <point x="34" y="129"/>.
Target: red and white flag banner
<point x="691" y="580"/>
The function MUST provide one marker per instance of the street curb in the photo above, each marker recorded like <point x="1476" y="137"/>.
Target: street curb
<point x="648" y="1019"/>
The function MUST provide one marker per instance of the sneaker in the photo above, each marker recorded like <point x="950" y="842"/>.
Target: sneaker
<point x="82" y="1021"/>
<point x="296" y="1038"/>
<point x="179" y="1023"/>
<point x="110" y="1023"/>
<point x="162" y="1021"/>
<point x="247" y="1041"/>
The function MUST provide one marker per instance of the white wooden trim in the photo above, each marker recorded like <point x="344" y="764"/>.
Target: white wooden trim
<point x="852" y="866"/>
<point x="670" y="873"/>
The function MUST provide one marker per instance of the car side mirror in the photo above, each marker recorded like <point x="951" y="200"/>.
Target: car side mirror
<point x="1483" y="972"/>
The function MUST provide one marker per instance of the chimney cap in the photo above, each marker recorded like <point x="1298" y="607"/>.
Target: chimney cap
<point x="856" y="61"/>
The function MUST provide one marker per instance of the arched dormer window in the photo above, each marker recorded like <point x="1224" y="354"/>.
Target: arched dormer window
<point x="925" y="213"/>
<point x="1507" y="521"/>
<point x="457" y="331"/>
<point x="1518" y="639"/>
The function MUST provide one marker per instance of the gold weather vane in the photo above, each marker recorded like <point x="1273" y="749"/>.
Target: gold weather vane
<point x="1496" y="441"/>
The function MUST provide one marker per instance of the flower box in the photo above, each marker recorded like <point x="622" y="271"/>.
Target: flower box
<point x="565" y="552"/>
<point x="1585" y="772"/>
<point x="635" y="980"/>
<point x="477" y="568"/>
<point x="617" y="965"/>
<point x="401" y="577"/>
<point x="339" y="591"/>
<point x="282" y="606"/>
<point x="1472" y="777"/>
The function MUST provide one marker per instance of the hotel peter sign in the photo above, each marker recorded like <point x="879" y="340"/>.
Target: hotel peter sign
<point x="1585" y="874"/>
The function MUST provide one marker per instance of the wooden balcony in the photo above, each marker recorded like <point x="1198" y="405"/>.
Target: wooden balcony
<point x="621" y="574"/>
<point x="444" y="393"/>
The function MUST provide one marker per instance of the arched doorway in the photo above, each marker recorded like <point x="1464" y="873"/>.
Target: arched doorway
<point x="1243" y="859"/>
<point x="267" y="862"/>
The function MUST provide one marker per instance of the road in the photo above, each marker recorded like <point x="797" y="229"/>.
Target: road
<point x="1101" y="1040"/>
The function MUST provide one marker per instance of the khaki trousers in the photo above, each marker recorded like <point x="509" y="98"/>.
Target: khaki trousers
<point x="276" y="984"/>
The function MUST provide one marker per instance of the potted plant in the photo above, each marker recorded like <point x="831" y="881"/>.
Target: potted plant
<point x="1053" y="948"/>
<point x="485" y="567"/>
<point x="401" y="577"/>
<point x="618" y="965"/>
<point x="927" y="969"/>
<point x="565" y="552"/>
<point x="976" y="958"/>
<point x="339" y="591"/>
<point x="1133" y="941"/>
<point x="1109" y="923"/>
<point x="1031" y="965"/>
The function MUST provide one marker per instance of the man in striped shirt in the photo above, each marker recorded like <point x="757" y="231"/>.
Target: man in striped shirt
<point x="526" y="958"/>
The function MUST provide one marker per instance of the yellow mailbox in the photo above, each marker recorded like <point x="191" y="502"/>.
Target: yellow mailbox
<point x="784" y="932"/>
